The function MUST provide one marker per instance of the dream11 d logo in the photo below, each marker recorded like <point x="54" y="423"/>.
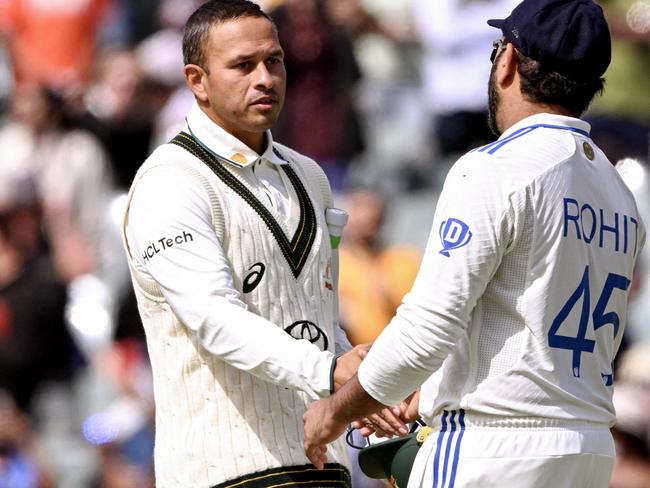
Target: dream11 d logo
<point x="454" y="233"/>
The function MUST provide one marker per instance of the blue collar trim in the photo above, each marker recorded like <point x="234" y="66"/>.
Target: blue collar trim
<point x="494" y="146"/>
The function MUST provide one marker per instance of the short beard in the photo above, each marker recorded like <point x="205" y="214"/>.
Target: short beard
<point x="493" y="101"/>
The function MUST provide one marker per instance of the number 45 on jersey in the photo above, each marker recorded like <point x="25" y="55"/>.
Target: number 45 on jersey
<point x="599" y="317"/>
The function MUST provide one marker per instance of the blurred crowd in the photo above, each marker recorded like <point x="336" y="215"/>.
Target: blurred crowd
<point x="384" y="94"/>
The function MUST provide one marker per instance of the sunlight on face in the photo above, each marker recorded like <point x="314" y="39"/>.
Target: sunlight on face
<point x="245" y="79"/>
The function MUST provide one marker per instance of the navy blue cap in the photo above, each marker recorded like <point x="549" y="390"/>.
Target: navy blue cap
<point x="567" y="36"/>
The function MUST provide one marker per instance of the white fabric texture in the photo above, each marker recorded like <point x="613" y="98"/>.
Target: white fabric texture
<point x="536" y="264"/>
<point x="230" y="384"/>
<point x="571" y="456"/>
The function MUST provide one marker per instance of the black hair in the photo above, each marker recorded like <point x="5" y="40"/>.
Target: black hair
<point x="197" y="29"/>
<point x="543" y="85"/>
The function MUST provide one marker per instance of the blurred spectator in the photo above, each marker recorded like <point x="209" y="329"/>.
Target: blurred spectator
<point x="620" y="119"/>
<point x="20" y="464"/>
<point x="352" y="15"/>
<point x="29" y="328"/>
<point x="637" y="178"/>
<point x="161" y="60"/>
<point x="320" y="118"/>
<point x="123" y="430"/>
<point x="120" y="104"/>
<point x="52" y="41"/>
<point x="68" y="166"/>
<point x="373" y="279"/>
<point x="456" y="39"/>
<point x="372" y="282"/>
<point x="72" y="179"/>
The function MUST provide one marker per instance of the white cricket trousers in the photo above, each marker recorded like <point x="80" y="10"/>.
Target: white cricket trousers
<point x="480" y="451"/>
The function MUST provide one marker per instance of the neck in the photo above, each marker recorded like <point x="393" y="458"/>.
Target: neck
<point x="520" y="109"/>
<point x="255" y="140"/>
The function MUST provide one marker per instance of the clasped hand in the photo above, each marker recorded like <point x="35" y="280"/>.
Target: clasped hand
<point x="327" y="419"/>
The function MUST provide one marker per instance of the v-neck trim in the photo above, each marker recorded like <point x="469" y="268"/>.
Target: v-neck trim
<point x="296" y="250"/>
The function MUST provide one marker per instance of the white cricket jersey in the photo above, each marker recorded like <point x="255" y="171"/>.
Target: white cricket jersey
<point x="520" y="303"/>
<point x="232" y="269"/>
<point x="196" y="275"/>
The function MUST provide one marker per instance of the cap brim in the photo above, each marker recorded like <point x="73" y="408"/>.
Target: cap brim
<point x="375" y="460"/>
<point x="498" y="23"/>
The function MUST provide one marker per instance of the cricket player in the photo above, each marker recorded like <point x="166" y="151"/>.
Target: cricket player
<point x="228" y="245"/>
<point x="520" y="303"/>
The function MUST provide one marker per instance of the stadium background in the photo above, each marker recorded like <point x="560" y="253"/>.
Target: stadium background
<point x="385" y="94"/>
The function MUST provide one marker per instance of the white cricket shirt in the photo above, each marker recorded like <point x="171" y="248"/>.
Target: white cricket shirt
<point x="194" y="273"/>
<point x="520" y="303"/>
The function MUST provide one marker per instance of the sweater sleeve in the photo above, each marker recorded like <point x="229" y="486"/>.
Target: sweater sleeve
<point x="172" y="238"/>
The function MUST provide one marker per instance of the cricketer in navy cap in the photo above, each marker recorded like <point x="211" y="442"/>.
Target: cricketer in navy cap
<point x="567" y="36"/>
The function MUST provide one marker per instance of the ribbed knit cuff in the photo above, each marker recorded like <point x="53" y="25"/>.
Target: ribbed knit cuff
<point x="332" y="368"/>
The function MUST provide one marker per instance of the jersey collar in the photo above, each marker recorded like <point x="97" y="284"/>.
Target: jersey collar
<point x="559" y="121"/>
<point x="224" y="145"/>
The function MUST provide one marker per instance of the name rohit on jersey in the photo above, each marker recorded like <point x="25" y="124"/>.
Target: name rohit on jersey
<point x="600" y="227"/>
<point x="165" y="243"/>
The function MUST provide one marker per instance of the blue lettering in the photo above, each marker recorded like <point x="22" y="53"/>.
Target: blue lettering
<point x="587" y="219"/>
<point x="568" y="216"/>
<point x="594" y="224"/>
<point x="605" y="228"/>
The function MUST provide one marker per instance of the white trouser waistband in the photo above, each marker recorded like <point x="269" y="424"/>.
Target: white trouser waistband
<point x="471" y="420"/>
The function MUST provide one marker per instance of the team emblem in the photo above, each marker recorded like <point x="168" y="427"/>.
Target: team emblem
<point x="454" y="233"/>
<point x="304" y="329"/>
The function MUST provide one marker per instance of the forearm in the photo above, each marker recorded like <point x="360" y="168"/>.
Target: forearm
<point x="352" y="402"/>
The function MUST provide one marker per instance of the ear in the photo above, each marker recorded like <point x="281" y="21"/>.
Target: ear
<point x="506" y="73"/>
<point x="195" y="78"/>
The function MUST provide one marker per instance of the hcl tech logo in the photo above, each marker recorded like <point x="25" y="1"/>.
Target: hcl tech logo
<point x="454" y="233"/>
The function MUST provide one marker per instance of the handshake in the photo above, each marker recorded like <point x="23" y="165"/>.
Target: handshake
<point x="327" y="419"/>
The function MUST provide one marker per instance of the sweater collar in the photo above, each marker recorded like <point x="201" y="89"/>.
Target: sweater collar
<point x="224" y="145"/>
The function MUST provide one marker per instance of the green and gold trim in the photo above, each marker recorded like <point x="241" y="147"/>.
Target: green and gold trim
<point x="295" y="251"/>
<point x="332" y="475"/>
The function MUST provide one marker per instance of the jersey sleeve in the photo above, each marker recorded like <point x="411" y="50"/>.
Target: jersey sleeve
<point x="472" y="228"/>
<point x="172" y="238"/>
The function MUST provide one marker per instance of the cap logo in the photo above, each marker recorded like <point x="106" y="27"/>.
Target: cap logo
<point x="515" y="32"/>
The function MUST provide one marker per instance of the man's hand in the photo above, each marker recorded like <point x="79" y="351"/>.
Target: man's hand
<point x="347" y="364"/>
<point x="390" y="421"/>
<point x="326" y="419"/>
<point x="321" y="428"/>
<point x="385" y="423"/>
<point x="410" y="407"/>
